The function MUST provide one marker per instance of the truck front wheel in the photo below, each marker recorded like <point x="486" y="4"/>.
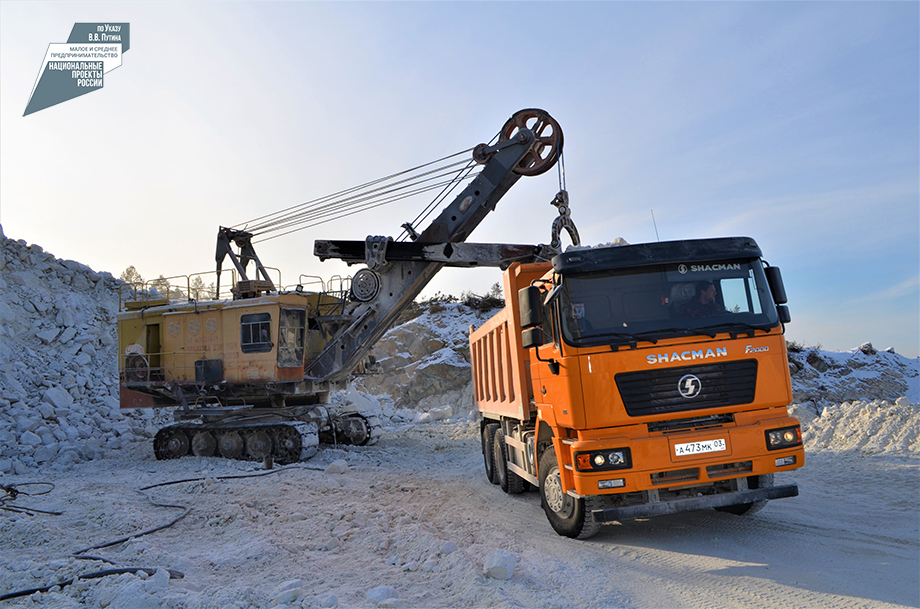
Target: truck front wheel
<point x="569" y="516"/>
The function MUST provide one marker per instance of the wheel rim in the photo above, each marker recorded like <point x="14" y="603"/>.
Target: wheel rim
<point x="555" y="497"/>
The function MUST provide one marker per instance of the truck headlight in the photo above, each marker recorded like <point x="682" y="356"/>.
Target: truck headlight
<point x="601" y="460"/>
<point x="784" y="438"/>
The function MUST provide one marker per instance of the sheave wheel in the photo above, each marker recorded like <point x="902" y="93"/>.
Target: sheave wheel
<point x="510" y="482"/>
<point x="547" y="146"/>
<point x="567" y="515"/>
<point x="488" y="451"/>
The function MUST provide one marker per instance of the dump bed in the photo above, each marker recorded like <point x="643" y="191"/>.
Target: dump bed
<point x="501" y="366"/>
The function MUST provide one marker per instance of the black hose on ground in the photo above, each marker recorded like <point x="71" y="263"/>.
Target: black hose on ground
<point x="12" y="491"/>
<point x="94" y="575"/>
<point x="119" y="570"/>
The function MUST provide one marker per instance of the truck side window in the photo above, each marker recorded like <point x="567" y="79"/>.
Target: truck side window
<point x="256" y="333"/>
<point x="291" y="338"/>
<point x="547" y="324"/>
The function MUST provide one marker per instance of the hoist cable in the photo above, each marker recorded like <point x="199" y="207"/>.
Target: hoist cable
<point x="359" y="199"/>
<point x="270" y="219"/>
<point x="560" y="168"/>
<point x="381" y="191"/>
<point x="461" y="176"/>
<point x="346" y="213"/>
<point x="349" y="190"/>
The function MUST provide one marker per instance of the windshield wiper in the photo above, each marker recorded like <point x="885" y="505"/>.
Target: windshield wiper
<point x="709" y="331"/>
<point x="681" y="331"/>
<point x="735" y="326"/>
<point x="619" y="337"/>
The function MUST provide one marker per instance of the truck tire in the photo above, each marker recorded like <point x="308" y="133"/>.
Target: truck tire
<point x="569" y="516"/>
<point x="510" y="482"/>
<point x="747" y="509"/>
<point x="488" y="451"/>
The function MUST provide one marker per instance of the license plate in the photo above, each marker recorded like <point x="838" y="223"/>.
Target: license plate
<point x="695" y="448"/>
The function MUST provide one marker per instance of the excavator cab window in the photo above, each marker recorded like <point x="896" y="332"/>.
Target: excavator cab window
<point x="256" y="333"/>
<point x="291" y="338"/>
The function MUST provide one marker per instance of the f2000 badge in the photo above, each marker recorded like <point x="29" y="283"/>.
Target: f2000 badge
<point x="689" y="386"/>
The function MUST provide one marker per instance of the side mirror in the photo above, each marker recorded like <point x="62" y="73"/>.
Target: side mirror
<point x="531" y="302"/>
<point x="532" y="337"/>
<point x="783" y="312"/>
<point x="775" y="281"/>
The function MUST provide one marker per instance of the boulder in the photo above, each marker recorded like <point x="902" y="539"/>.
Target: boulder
<point x="381" y="593"/>
<point x="500" y="565"/>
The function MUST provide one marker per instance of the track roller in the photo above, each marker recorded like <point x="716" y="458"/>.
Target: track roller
<point x="204" y="444"/>
<point x="231" y="444"/>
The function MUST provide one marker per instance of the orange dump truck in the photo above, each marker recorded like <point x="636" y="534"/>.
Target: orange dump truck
<point x="634" y="381"/>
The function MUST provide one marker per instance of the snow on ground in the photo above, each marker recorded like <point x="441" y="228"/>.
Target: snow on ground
<point x="412" y="521"/>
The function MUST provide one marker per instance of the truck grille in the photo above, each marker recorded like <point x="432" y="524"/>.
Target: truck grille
<point x="676" y="476"/>
<point x="658" y="391"/>
<point x="729" y="469"/>
<point x="713" y="421"/>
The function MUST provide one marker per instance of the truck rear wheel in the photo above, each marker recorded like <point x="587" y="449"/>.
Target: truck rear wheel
<point x="569" y="516"/>
<point x="510" y="482"/>
<point x="488" y="451"/>
<point x="746" y="509"/>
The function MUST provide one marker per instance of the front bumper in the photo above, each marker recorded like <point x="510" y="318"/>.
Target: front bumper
<point x="691" y="504"/>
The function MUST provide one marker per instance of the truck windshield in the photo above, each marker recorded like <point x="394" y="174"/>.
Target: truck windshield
<point x="664" y="301"/>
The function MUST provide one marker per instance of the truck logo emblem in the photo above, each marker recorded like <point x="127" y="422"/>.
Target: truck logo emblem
<point x="682" y="269"/>
<point x="689" y="386"/>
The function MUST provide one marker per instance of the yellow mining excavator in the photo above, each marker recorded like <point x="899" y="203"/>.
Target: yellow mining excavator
<point x="250" y="372"/>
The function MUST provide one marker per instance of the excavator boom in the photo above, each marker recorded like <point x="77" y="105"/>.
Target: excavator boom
<point x="391" y="282"/>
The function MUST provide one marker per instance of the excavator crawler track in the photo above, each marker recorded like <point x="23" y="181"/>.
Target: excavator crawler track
<point x="283" y="442"/>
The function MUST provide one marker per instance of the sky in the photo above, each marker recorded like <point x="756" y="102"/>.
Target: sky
<point x="795" y="123"/>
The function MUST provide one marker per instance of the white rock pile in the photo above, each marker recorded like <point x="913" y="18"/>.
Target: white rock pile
<point x="862" y="426"/>
<point x="58" y="367"/>
<point x="424" y="365"/>
<point x="864" y="373"/>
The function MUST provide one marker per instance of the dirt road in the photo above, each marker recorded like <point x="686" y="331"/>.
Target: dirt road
<point x="416" y="513"/>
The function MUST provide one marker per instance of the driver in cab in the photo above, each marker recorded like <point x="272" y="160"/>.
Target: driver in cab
<point x="704" y="303"/>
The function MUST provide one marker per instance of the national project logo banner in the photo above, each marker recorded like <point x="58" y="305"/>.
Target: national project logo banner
<point x="79" y="66"/>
